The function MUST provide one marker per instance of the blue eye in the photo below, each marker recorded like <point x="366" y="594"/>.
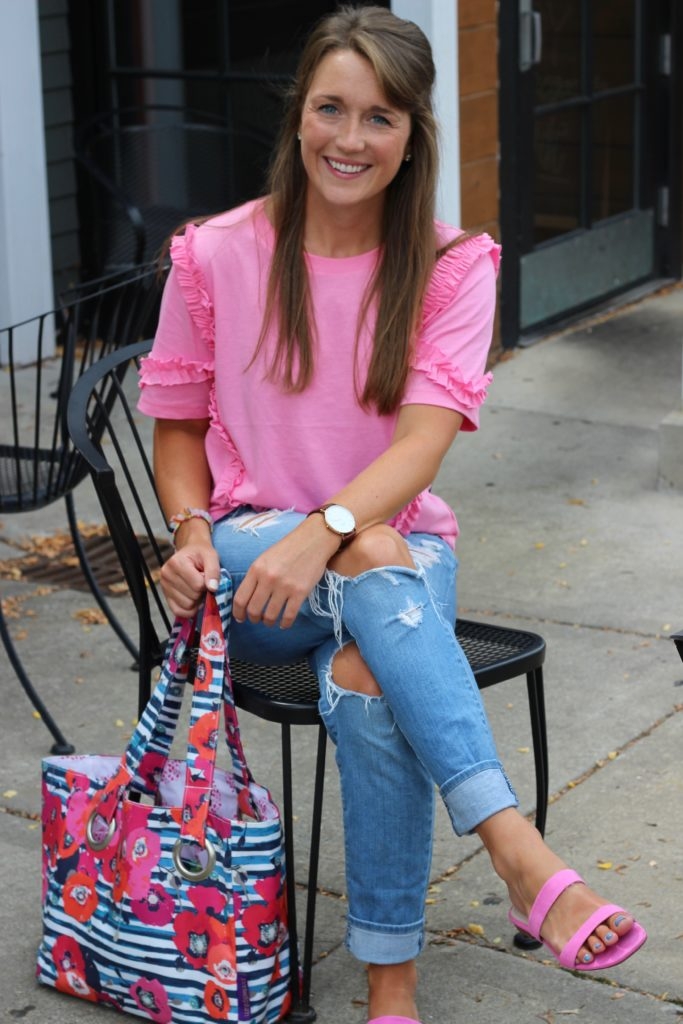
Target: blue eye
<point x="380" y="119"/>
<point x="327" y="108"/>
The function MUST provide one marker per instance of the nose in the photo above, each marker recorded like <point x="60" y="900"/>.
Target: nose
<point x="350" y="137"/>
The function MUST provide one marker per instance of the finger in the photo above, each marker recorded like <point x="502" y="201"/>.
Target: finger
<point x="290" y="612"/>
<point x="242" y="597"/>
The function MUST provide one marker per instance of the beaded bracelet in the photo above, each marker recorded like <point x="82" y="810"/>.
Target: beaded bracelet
<point x="185" y="515"/>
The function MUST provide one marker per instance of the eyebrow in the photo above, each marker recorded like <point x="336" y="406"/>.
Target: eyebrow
<point x="374" y="109"/>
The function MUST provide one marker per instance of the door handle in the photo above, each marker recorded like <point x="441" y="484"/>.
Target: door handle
<point x="530" y="36"/>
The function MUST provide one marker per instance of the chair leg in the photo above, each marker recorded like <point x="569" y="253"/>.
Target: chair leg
<point x="61" y="745"/>
<point x="95" y="588"/>
<point x="314" y="855"/>
<point x="539" y="737"/>
<point x="300" y="1012"/>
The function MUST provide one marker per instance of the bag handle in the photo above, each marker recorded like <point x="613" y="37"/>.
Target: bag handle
<point x="212" y="688"/>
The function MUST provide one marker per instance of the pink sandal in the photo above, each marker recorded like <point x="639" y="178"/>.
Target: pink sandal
<point x="393" y="1020"/>
<point x="550" y="892"/>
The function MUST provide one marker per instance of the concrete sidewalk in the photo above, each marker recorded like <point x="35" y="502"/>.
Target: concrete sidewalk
<point x="567" y="531"/>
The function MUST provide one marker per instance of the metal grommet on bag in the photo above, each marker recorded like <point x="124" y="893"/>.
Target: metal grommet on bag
<point x="199" y="873"/>
<point x="103" y="841"/>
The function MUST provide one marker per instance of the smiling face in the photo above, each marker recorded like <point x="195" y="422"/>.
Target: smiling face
<point x="353" y="141"/>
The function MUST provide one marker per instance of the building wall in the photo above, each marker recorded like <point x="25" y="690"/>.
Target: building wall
<point x="479" y="149"/>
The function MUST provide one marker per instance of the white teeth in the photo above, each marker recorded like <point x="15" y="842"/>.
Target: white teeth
<point x="347" y="168"/>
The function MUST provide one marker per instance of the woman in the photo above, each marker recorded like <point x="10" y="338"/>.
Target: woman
<point x="317" y="353"/>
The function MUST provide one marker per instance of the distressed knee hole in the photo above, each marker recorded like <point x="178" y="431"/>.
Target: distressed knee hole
<point x="349" y="672"/>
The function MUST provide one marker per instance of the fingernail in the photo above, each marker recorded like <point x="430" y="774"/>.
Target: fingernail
<point x="212" y="584"/>
<point x="618" y="920"/>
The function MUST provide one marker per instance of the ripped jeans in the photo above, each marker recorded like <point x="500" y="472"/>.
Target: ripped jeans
<point x="428" y="728"/>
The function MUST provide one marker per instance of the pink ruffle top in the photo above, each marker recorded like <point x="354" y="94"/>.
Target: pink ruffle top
<point x="270" y="449"/>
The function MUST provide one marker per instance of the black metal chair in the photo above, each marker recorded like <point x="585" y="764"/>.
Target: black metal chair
<point x="101" y="410"/>
<point x="40" y="360"/>
<point x="678" y="640"/>
<point x="149" y="168"/>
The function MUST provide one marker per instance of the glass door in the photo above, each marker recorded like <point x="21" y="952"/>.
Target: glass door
<point x="583" y="161"/>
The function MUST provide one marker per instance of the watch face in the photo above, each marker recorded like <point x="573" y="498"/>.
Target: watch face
<point x="340" y="519"/>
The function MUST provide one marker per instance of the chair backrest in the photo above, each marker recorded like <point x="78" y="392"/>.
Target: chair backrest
<point x="114" y="441"/>
<point x="150" y="168"/>
<point x="40" y="360"/>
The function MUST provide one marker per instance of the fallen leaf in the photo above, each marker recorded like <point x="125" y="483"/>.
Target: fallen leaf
<point x="605" y="865"/>
<point x="90" y="616"/>
<point x="523" y="750"/>
<point x="539" y="545"/>
<point x="475" y="929"/>
<point x="9" y="793"/>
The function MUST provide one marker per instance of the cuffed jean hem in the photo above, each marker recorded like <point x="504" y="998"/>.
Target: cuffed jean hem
<point x="477" y="797"/>
<point x="388" y="945"/>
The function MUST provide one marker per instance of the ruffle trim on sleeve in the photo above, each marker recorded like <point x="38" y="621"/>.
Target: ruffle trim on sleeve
<point x="438" y="368"/>
<point x="173" y="371"/>
<point x="233" y="473"/>
<point x="193" y="285"/>
<point x="407" y="517"/>
<point x="451" y="268"/>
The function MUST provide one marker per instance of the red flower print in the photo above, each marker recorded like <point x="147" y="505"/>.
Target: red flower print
<point x="79" y="895"/>
<point x="264" y="925"/>
<point x="195" y="934"/>
<point x="70" y="965"/>
<point x="204" y="734"/>
<point x="67" y="955"/>
<point x="141" y="853"/>
<point x="221" y="962"/>
<point x="207" y="899"/>
<point x="156" y="907"/>
<point x="52" y="825"/>
<point x="150" y="770"/>
<point x="262" y="929"/>
<point x="150" y="996"/>
<point x="216" y="1001"/>
<point x="78" y="810"/>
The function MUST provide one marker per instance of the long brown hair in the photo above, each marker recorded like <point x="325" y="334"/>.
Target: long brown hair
<point x="401" y="58"/>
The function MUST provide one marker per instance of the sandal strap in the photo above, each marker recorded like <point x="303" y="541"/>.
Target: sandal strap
<point x="568" y="955"/>
<point x="548" y="895"/>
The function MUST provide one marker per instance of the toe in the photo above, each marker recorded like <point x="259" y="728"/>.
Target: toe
<point x="621" y="923"/>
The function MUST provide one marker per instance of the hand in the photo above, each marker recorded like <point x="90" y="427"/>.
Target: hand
<point x="185" y="577"/>
<point x="282" y="577"/>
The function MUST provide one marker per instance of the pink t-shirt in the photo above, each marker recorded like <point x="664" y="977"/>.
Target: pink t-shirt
<point x="270" y="449"/>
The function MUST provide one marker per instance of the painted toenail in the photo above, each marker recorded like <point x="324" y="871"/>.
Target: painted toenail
<point x="609" y="935"/>
<point x="619" y="920"/>
<point x="587" y="958"/>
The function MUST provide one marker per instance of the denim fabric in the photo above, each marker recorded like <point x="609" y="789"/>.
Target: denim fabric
<point x="427" y="729"/>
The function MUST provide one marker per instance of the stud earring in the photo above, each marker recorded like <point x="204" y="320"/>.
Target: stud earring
<point x="407" y="158"/>
<point x="298" y="135"/>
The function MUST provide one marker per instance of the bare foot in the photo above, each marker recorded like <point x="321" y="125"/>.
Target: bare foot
<point x="391" y="990"/>
<point x="525" y="863"/>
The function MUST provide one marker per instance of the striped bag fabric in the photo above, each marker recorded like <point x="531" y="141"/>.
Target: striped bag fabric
<point x="164" y="879"/>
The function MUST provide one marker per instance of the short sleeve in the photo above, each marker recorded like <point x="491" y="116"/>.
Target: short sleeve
<point x="175" y="379"/>
<point x="449" y="361"/>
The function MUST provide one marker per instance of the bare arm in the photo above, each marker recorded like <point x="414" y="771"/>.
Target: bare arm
<point x="283" y="576"/>
<point x="183" y="479"/>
